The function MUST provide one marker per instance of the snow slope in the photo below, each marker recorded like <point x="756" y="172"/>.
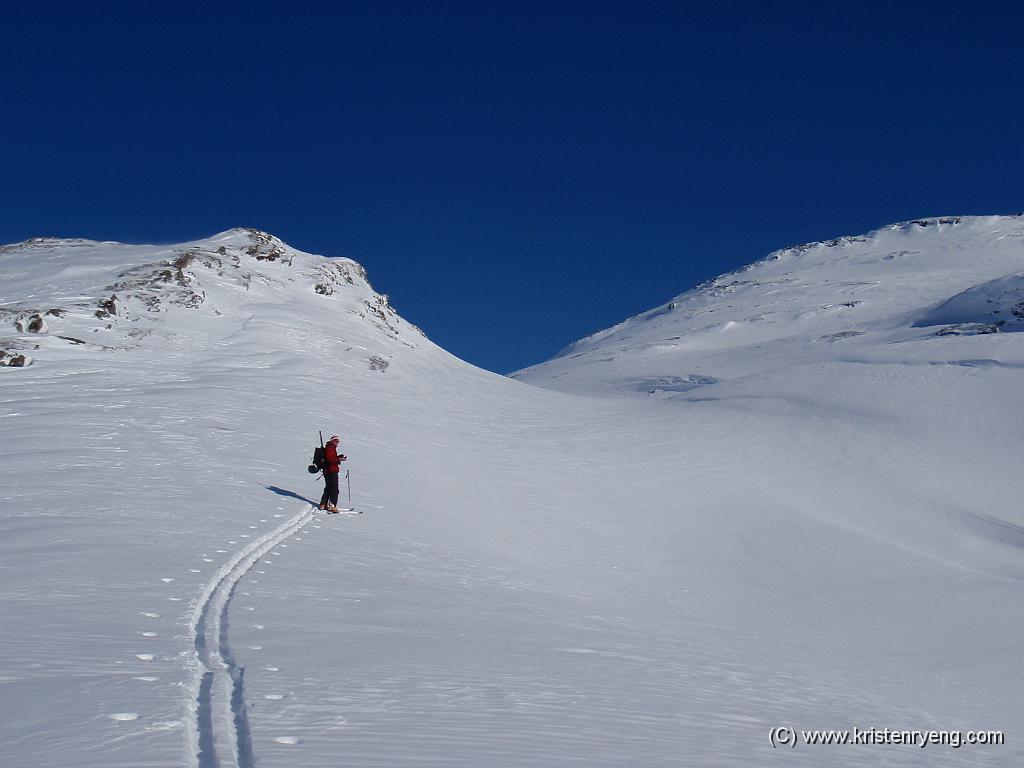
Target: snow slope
<point x="786" y="498"/>
<point x="818" y="302"/>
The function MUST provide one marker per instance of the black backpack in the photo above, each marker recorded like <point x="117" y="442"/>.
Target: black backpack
<point x="319" y="458"/>
<point x="319" y="461"/>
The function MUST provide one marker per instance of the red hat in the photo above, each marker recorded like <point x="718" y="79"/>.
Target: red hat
<point x="334" y="439"/>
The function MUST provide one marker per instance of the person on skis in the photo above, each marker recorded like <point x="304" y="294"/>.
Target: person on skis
<point x="332" y="466"/>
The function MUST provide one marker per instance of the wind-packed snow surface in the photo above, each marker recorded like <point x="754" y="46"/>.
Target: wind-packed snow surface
<point x="790" y="497"/>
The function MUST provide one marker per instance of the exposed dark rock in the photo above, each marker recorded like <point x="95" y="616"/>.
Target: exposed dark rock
<point x="968" y="329"/>
<point x="11" y="360"/>
<point x="266" y="247"/>
<point x="195" y="300"/>
<point x="841" y="335"/>
<point x="383" y="311"/>
<point x="108" y="307"/>
<point x="32" y="323"/>
<point x="335" y="275"/>
<point x="922" y="223"/>
<point x="378" y="363"/>
<point x="180" y="263"/>
<point x="168" y="282"/>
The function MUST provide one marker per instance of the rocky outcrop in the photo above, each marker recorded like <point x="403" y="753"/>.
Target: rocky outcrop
<point x="34" y="323"/>
<point x="14" y="359"/>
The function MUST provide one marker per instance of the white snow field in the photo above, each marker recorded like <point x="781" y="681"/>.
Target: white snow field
<point x="791" y="497"/>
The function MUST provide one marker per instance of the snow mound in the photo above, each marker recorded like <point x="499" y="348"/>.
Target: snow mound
<point x="996" y="305"/>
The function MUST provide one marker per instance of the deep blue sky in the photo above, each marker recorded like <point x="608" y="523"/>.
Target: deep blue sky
<point x="515" y="175"/>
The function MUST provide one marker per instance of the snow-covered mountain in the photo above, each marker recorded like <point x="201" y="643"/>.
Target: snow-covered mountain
<point x="61" y="293"/>
<point x="889" y="292"/>
<point x="786" y="498"/>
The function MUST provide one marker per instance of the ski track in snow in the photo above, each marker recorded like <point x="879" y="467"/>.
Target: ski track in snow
<point x="219" y="733"/>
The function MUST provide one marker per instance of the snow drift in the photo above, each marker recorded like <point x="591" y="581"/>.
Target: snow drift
<point x="993" y="306"/>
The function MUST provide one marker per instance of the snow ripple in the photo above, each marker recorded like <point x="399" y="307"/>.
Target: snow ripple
<point x="219" y="719"/>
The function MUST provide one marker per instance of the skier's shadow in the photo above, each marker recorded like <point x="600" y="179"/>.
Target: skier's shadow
<point x="290" y="494"/>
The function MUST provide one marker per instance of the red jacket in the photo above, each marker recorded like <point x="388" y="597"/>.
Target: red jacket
<point x="332" y="459"/>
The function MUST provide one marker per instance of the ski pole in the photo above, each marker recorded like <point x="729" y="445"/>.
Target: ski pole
<point x="348" y="482"/>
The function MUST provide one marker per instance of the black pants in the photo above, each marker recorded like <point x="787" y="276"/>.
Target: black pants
<point x="330" y="489"/>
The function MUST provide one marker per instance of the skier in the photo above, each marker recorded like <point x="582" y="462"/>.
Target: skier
<point x="332" y="466"/>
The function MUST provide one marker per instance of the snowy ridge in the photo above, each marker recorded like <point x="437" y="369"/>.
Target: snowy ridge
<point x="728" y="281"/>
<point x="115" y="297"/>
<point x="219" y="725"/>
<point x="809" y="303"/>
